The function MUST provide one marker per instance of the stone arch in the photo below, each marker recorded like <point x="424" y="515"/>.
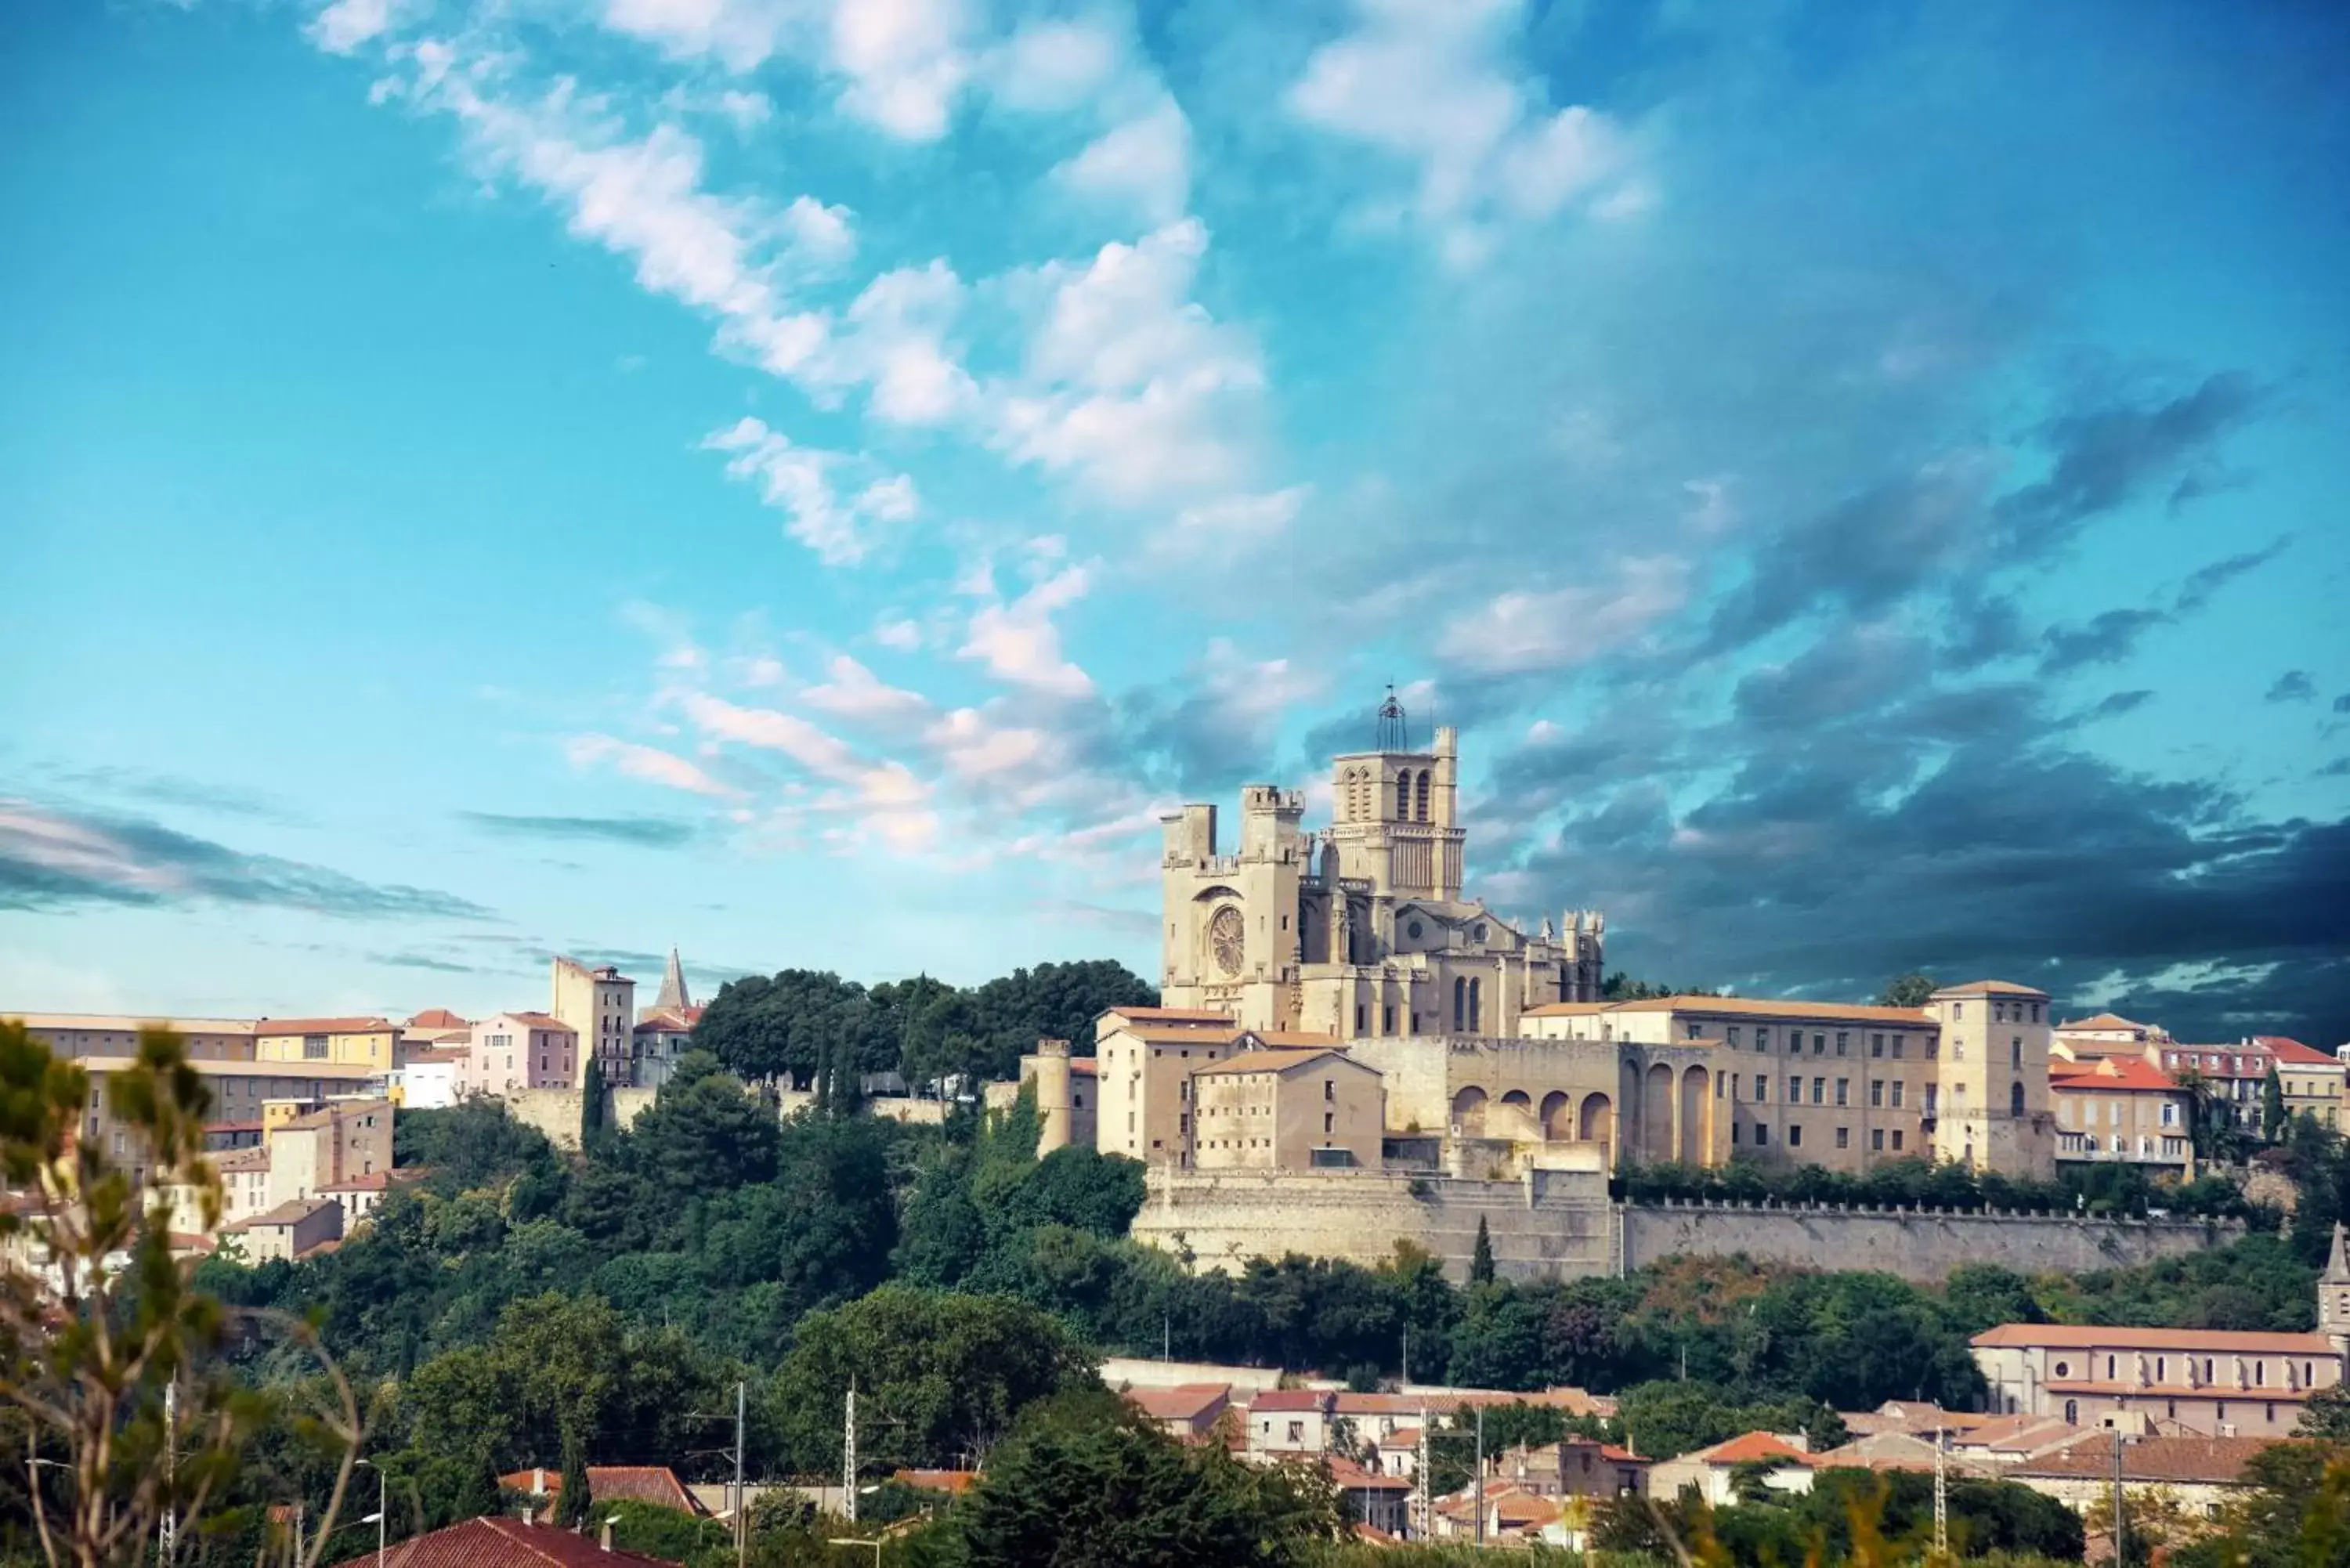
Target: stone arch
<point x="1558" y="1115"/>
<point x="1469" y="1111"/>
<point x="1520" y="1098"/>
<point x="1696" y="1129"/>
<point x="1596" y="1122"/>
<point x="2015" y="1101"/>
<point x="1657" y="1113"/>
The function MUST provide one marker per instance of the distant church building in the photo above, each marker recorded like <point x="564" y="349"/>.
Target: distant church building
<point x="1359" y="931"/>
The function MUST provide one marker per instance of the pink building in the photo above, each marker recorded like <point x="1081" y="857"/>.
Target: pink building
<point x="520" y="1051"/>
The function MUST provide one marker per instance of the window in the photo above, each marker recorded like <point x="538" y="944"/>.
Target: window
<point x="1896" y="1140"/>
<point x="1734" y="1131"/>
<point x="1877" y="1045"/>
<point x="1762" y="1087"/>
<point x="2016" y="1100"/>
<point x="1898" y="1087"/>
<point x="1844" y="1088"/>
<point x="1877" y="1090"/>
<point x="1843" y="1137"/>
<point x="2015" y="1052"/>
<point x="1329" y="1090"/>
<point x="1694" y="1031"/>
<point x="1819" y="1091"/>
<point x="1362" y="1018"/>
<point x="1729" y="1036"/>
<point x="1844" y="1041"/>
<point x="1898" y="1041"/>
<point x="1761" y="1137"/>
<point x="1761" y="1038"/>
<point x="314" y="1047"/>
<point x="1297" y="1431"/>
<point x="1933" y="1043"/>
<point x="1794" y="1090"/>
<point x="1877" y="1137"/>
<point x="1327" y="1119"/>
<point x="1387" y="1018"/>
<point x="1795" y="1138"/>
<point x="1819" y="1044"/>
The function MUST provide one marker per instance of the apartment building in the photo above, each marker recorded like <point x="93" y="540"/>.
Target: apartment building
<point x="79" y="1034"/>
<point x="239" y="1092"/>
<point x="520" y="1051"/>
<point x="2311" y="1080"/>
<point x="1287" y="1109"/>
<point x="599" y="1006"/>
<point x="288" y="1232"/>
<point x="1143" y="1072"/>
<point x="2121" y="1110"/>
<point x="2187" y="1382"/>
<point x="339" y="1142"/>
<point x="2105" y="1034"/>
<point x="370" y="1043"/>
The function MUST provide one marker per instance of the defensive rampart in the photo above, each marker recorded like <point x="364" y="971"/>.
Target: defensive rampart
<point x="1559" y="1224"/>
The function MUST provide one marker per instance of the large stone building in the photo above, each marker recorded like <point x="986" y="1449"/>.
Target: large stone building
<point x="1361" y="930"/>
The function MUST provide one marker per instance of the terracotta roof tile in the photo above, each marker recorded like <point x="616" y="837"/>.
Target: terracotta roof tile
<point x="1278" y="1061"/>
<point x="1752" y="1447"/>
<point x="2112" y="1073"/>
<point x="272" y="1027"/>
<point x="2213" y="1340"/>
<point x="655" y="1484"/>
<point x="954" y="1482"/>
<point x="1283" y="1400"/>
<point x="1189" y="1402"/>
<point x="501" y="1544"/>
<point x="2104" y="1021"/>
<point x="2155" y="1458"/>
<point x="438" y="1018"/>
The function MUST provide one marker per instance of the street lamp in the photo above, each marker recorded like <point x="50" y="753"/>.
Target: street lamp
<point x="378" y="1516"/>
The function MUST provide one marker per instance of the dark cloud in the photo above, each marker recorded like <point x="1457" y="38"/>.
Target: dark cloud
<point x="60" y="859"/>
<point x="2342" y="703"/>
<point x="2112" y="636"/>
<point x="2118" y="704"/>
<point x="644" y="832"/>
<point x="2103" y="457"/>
<point x="427" y="961"/>
<point x="170" y="789"/>
<point x="2292" y="686"/>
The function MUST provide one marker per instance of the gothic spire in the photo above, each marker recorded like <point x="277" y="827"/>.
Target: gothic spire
<point x="673" y="993"/>
<point x="2338" y="1267"/>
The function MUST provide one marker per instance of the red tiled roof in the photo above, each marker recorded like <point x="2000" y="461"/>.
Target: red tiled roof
<point x="2217" y="1341"/>
<point x="1188" y="1402"/>
<point x="501" y="1544"/>
<point x="654" y="1484"/>
<point x="2155" y="1458"/>
<point x="373" y="1181"/>
<point x="1281" y="1399"/>
<point x="1168" y="1015"/>
<point x="955" y="1481"/>
<point x="438" y="1018"/>
<point x="2113" y="1072"/>
<point x="1085" y="1066"/>
<point x="267" y="1027"/>
<point x="1277" y="1061"/>
<point x="1749" y="1448"/>
<point x="539" y="1021"/>
<point x="2104" y="1022"/>
<point x="2294" y="1052"/>
<point x="1349" y="1475"/>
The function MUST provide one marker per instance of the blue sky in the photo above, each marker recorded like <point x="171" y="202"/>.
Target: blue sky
<point x="808" y="481"/>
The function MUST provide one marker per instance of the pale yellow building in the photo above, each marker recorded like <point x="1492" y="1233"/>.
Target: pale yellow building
<point x="244" y="1183"/>
<point x="1143" y="1074"/>
<point x="1287" y="1108"/>
<point x="288" y="1232"/>
<point x="2312" y="1081"/>
<point x="339" y="1142"/>
<point x="1994" y="1112"/>
<point x="2121" y="1110"/>
<point x="599" y="1005"/>
<point x="239" y="1092"/>
<point x="79" y="1034"/>
<point x="371" y="1042"/>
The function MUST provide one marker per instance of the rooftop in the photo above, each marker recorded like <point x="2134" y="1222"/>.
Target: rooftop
<point x="1743" y="1007"/>
<point x="293" y="1211"/>
<point x="1187" y="1402"/>
<point x="502" y="1543"/>
<point x="268" y="1027"/>
<point x="655" y="1484"/>
<point x="2103" y="1023"/>
<point x="2294" y="1052"/>
<point x="352" y="1072"/>
<point x="123" y="1024"/>
<point x="1279" y="1061"/>
<point x="2112" y="1073"/>
<point x="1991" y="988"/>
<point x="2217" y="1341"/>
<point x="1751" y="1448"/>
<point x="1196" y="1015"/>
<point x="438" y="1018"/>
<point x="530" y="1021"/>
<point x="2156" y="1458"/>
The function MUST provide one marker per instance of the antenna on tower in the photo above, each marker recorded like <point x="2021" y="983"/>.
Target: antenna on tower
<point x="1395" y="730"/>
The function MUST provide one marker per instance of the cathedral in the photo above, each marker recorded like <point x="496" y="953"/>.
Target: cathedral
<point x="1359" y="930"/>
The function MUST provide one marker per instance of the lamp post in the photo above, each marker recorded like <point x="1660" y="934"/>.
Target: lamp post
<point x="380" y="1513"/>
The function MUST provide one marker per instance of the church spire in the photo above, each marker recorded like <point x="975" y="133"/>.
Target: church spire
<point x="673" y="993"/>
<point x="1395" y="731"/>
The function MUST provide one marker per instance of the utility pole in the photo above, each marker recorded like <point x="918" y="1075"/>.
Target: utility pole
<point x="848" y="1455"/>
<point x="169" y="1534"/>
<point x="1481" y="1473"/>
<point x="1427" y="1479"/>
<point x="1942" y="1496"/>
<point x="2121" y="1531"/>
<point x="741" y="1512"/>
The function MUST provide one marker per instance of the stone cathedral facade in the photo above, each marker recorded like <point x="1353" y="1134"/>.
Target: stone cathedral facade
<point x="1360" y="929"/>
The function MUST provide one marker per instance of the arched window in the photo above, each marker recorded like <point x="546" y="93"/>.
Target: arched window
<point x="1403" y="797"/>
<point x="2016" y="1100"/>
<point x="1423" y="795"/>
<point x="1476" y="1008"/>
<point x="1460" y="1002"/>
<point x="2072" y="1412"/>
<point x="2015" y="1054"/>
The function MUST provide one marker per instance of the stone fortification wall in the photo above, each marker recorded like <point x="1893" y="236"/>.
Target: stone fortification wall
<point x="557" y="1113"/>
<point x="1559" y="1224"/>
<point x="1923" y="1245"/>
<point x="1545" y="1224"/>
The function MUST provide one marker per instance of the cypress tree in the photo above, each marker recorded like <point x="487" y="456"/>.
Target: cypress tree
<point x="572" y="1504"/>
<point x="1480" y="1261"/>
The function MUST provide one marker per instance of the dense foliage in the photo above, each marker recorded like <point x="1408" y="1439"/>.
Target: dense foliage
<point x="813" y="1029"/>
<point x="1919" y="1183"/>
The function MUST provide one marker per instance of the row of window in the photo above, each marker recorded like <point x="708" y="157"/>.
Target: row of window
<point x="1877" y="1137"/>
<point x="1761" y="1090"/>
<point x="1879" y="1043"/>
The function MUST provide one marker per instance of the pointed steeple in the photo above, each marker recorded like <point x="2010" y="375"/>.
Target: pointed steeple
<point x="2334" y="1293"/>
<point x="674" y="994"/>
<point x="2337" y="1266"/>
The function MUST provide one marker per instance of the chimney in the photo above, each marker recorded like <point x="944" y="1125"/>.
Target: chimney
<point x="604" y="1536"/>
<point x="538" y="1481"/>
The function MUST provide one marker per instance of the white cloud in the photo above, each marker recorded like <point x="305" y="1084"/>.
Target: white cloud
<point x="1143" y="165"/>
<point x="645" y="762"/>
<point x="884" y="799"/>
<point x="344" y="26"/>
<point x="1522" y="630"/>
<point x="906" y="61"/>
<point x="1048" y="67"/>
<point x="1232" y="525"/>
<point x="823" y="238"/>
<point x="1130" y="385"/>
<point x="1019" y="643"/>
<point x="740" y="33"/>
<point x="799" y="481"/>
<point x="853" y="691"/>
<point x="894" y="339"/>
<point x="1426" y="84"/>
<point x="903" y="634"/>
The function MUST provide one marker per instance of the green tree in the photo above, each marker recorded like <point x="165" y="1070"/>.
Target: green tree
<point x="93" y="1334"/>
<point x="1911" y="989"/>
<point x="572" y="1501"/>
<point x="940" y="1376"/>
<point x="1085" y="1483"/>
<point x="1481" y="1256"/>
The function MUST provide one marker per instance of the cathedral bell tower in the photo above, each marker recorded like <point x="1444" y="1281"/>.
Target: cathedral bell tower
<point x="1392" y="812"/>
<point x="2334" y="1297"/>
